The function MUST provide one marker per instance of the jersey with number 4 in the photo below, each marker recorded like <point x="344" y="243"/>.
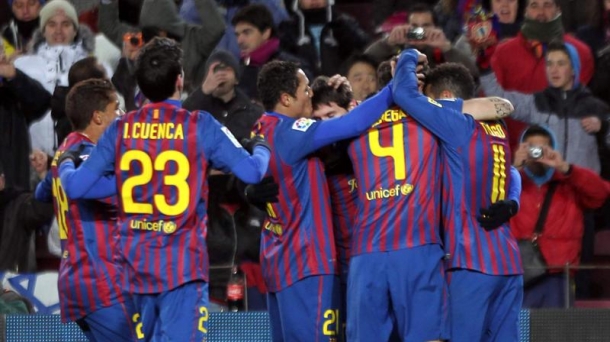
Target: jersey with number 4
<point x="397" y="167"/>
<point x="161" y="154"/>
<point x="91" y="273"/>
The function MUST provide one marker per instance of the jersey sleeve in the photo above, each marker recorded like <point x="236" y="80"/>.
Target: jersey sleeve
<point x="44" y="192"/>
<point x="449" y="125"/>
<point x="78" y="182"/>
<point x="514" y="190"/>
<point x="225" y="153"/>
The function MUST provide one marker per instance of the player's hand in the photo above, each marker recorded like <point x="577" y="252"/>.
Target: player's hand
<point x="250" y="144"/>
<point x="74" y="156"/>
<point x="497" y="214"/>
<point x="262" y="193"/>
<point x="337" y="81"/>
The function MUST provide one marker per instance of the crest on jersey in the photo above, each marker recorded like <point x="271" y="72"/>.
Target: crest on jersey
<point x="302" y="124"/>
<point x="434" y="103"/>
<point x="230" y="136"/>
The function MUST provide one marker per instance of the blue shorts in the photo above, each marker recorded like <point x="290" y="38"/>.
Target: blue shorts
<point x="112" y="323"/>
<point x="308" y="310"/>
<point x="401" y="293"/>
<point x="484" y="307"/>
<point x="180" y="314"/>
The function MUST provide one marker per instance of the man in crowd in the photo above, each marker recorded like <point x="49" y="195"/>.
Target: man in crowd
<point x="576" y="189"/>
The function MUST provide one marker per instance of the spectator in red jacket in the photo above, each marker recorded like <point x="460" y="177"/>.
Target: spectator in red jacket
<point x="560" y="239"/>
<point x="519" y="62"/>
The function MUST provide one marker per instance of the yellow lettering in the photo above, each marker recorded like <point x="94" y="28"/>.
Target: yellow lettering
<point x="153" y="131"/>
<point x="178" y="134"/>
<point x="494" y="130"/>
<point x="395" y="191"/>
<point x="136" y="128"/>
<point x="126" y="131"/>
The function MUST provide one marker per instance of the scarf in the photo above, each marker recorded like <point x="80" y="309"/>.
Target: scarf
<point x="542" y="32"/>
<point x="263" y="53"/>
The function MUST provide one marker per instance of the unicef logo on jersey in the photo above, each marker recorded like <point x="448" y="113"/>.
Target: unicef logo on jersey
<point x="396" y="191"/>
<point x="167" y="227"/>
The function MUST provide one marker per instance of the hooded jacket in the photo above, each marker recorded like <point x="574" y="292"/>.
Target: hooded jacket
<point x="561" y="238"/>
<point x="562" y="111"/>
<point x="50" y="65"/>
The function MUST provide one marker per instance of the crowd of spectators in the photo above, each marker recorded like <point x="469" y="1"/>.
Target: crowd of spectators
<point x="226" y="42"/>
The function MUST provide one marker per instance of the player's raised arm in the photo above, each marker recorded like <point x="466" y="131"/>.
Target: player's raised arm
<point x="488" y="108"/>
<point x="227" y="154"/>
<point x="450" y="125"/>
<point x="78" y="182"/>
<point x="357" y="122"/>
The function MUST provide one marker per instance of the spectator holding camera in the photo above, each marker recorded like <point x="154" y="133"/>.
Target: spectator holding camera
<point x="566" y="106"/>
<point x="420" y="32"/>
<point x="575" y="190"/>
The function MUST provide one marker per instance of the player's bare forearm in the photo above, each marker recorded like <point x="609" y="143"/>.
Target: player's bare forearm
<point x="488" y="108"/>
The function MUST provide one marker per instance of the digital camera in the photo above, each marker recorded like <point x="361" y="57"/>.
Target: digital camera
<point x="535" y="152"/>
<point x="416" y="33"/>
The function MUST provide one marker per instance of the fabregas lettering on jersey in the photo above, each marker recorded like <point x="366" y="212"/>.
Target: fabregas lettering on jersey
<point x="167" y="227"/>
<point x="494" y="130"/>
<point x="154" y="131"/>
<point x="381" y="193"/>
<point x="391" y="115"/>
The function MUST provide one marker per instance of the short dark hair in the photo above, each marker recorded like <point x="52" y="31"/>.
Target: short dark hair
<point x="256" y="15"/>
<point x="384" y="74"/>
<point x="85" y="98"/>
<point x="358" y="58"/>
<point x="85" y="69"/>
<point x="558" y="45"/>
<point x="419" y="7"/>
<point x="536" y="130"/>
<point x="453" y="77"/>
<point x="325" y="94"/>
<point x="275" y="78"/>
<point x="157" y="67"/>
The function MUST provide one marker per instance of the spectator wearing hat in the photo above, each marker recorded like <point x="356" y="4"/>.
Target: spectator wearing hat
<point x="233" y="225"/>
<point x="24" y="21"/>
<point x="59" y="42"/>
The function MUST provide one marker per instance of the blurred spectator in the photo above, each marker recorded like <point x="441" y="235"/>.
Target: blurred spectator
<point x="228" y="8"/>
<point x="17" y="34"/>
<point x="23" y="100"/>
<point x="597" y="34"/>
<point x="259" y="44"/>
<point x="577" y="189"/>
<point x="450" y="16"/>
<point x="124" y="79"/>
<point x="518" y="62"/>
<point x="384" y="74"/>
<point x="234" y="226"/>
<point x="322" y="35"/>
<point x="566" y="106"/>
<point x="60" y="43"/>
<point x="505" y="22"/>
<point x="578" y="13"/>
<point x="433" y="42"/>
<point x="361" y="73"/>
<point x="219" y="96"/>
<point x="160" y="17"/>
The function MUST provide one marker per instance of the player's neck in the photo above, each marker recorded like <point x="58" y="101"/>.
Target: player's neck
<point x="91" y="134"/>
<point x="286" y="111"/>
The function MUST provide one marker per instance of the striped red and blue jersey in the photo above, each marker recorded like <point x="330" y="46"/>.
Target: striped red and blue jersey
<point x="344" y="208"/>
<point x="297" y="240"/>
<point x="476" y="174"/>
<point x="91" y="272"/>
<point x="161" y="154"/>
<point x="397" y="168"/>
<point x="343" y="199"/>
